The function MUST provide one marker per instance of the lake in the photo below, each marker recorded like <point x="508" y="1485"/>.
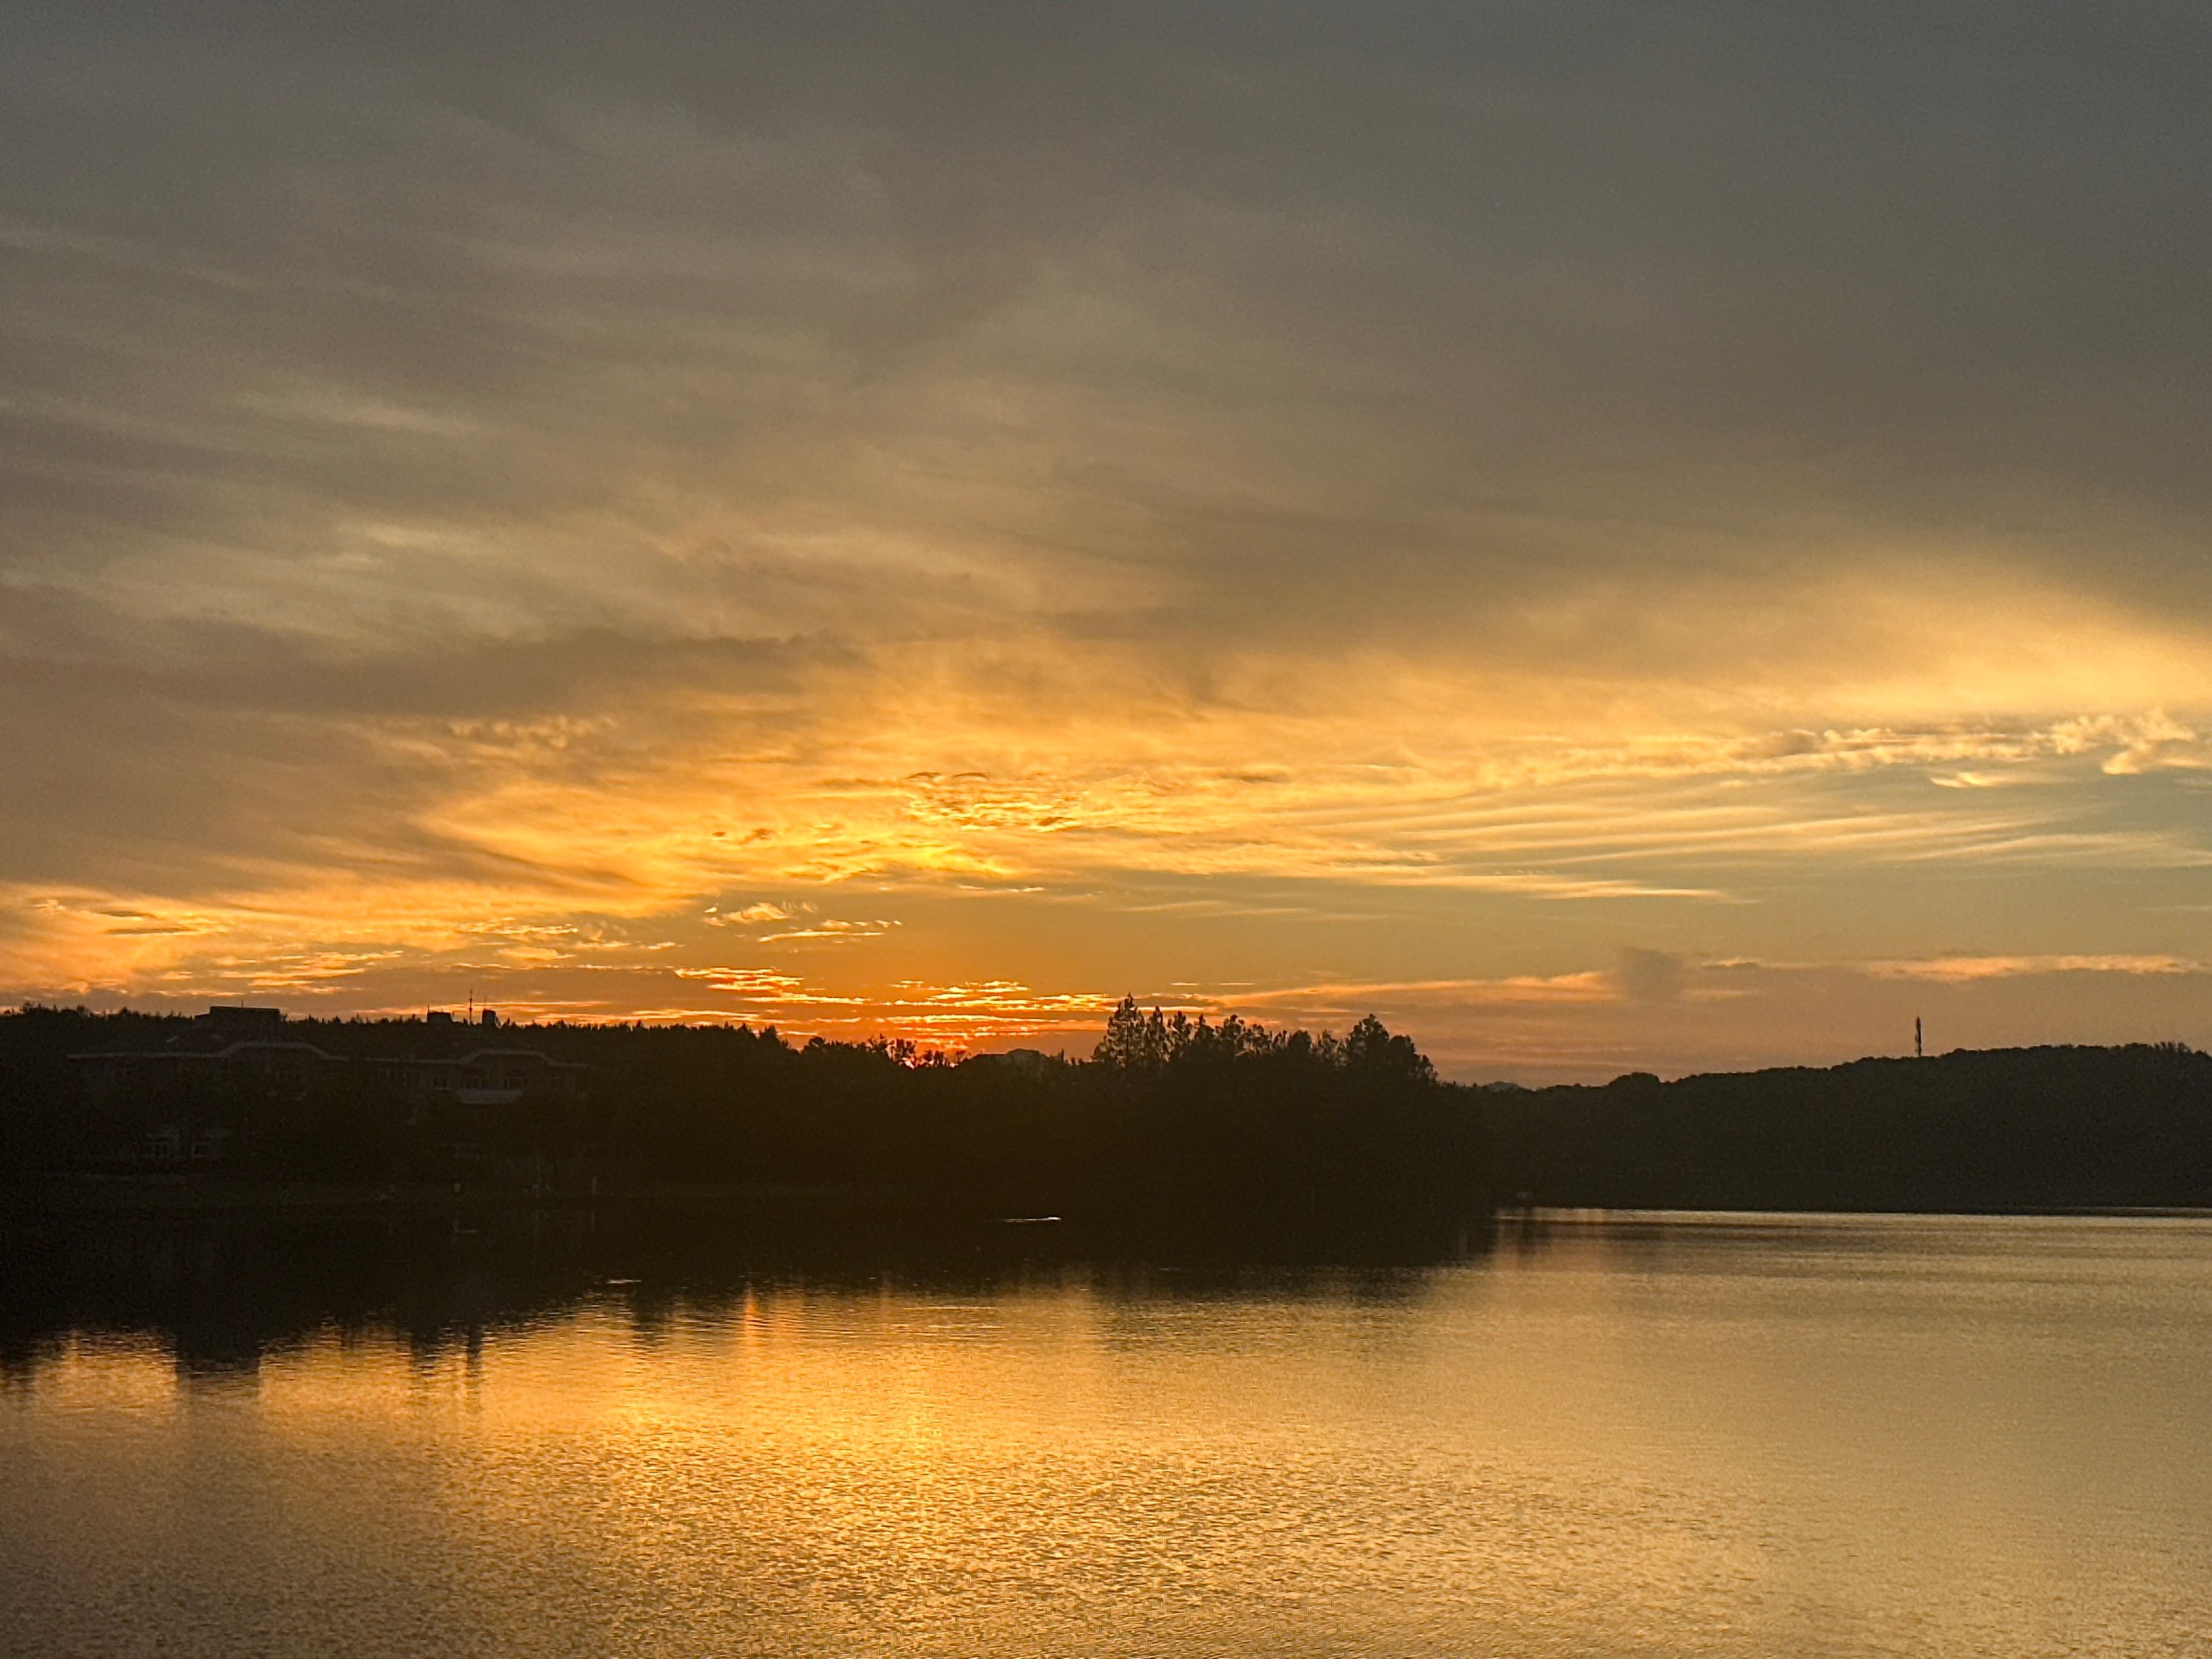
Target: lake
<point x="1587" y="1436"/>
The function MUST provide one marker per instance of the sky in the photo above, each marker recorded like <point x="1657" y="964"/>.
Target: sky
<point x="1612" y="536"/>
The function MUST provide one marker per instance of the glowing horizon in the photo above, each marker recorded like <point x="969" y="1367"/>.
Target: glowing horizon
<point x="1600" y="549"/>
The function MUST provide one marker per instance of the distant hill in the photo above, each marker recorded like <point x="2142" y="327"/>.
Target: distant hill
<point x="1998" y="1129"/>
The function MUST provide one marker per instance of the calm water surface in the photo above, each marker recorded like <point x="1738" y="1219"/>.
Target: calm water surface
<point x="1713" y="1436"/>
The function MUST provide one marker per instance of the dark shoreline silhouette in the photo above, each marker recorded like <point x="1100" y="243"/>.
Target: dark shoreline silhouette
<point x="227" y="1204"/>
<point x="2008" y="1130"/>
<point x="1173" y="1127"/>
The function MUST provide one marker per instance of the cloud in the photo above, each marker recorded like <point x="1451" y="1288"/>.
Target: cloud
<point x="1958" y="970"/>
<point x="959" y="1015"/>
<point x="1650" y="975"/>
<point x="838" y="931"/>
<point x="1350" y="999"/>
<point x="1081" y="499"/>
<point x="751" y="915"/>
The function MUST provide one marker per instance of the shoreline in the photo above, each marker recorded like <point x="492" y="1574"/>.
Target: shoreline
<point x="52" y="1196"/>
<point x="103" y="1194"/>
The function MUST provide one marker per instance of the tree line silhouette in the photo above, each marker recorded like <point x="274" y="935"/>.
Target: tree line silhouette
<point x="1170" y="1116"/>
<point x="1228" y="1124"/>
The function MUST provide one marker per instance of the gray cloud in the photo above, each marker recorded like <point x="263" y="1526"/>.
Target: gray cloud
<point x="196" y="759"/>
<point x="1650" y="975"/>
<point x="1486" y="299"/>
<point x="390" y="395"/>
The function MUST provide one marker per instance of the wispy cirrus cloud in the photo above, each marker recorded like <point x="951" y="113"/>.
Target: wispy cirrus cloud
<point x="1964" y="969"/>
<point x="564" y="507"/>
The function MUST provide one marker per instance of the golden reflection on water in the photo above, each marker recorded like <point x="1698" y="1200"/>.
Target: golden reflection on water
<point x="1806" y="1437"/>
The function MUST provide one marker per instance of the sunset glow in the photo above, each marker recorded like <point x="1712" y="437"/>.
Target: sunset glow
<point x="948" y="532"/>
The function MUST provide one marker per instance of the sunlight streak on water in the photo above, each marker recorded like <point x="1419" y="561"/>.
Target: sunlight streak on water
<point x="1715" y="1436"/>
